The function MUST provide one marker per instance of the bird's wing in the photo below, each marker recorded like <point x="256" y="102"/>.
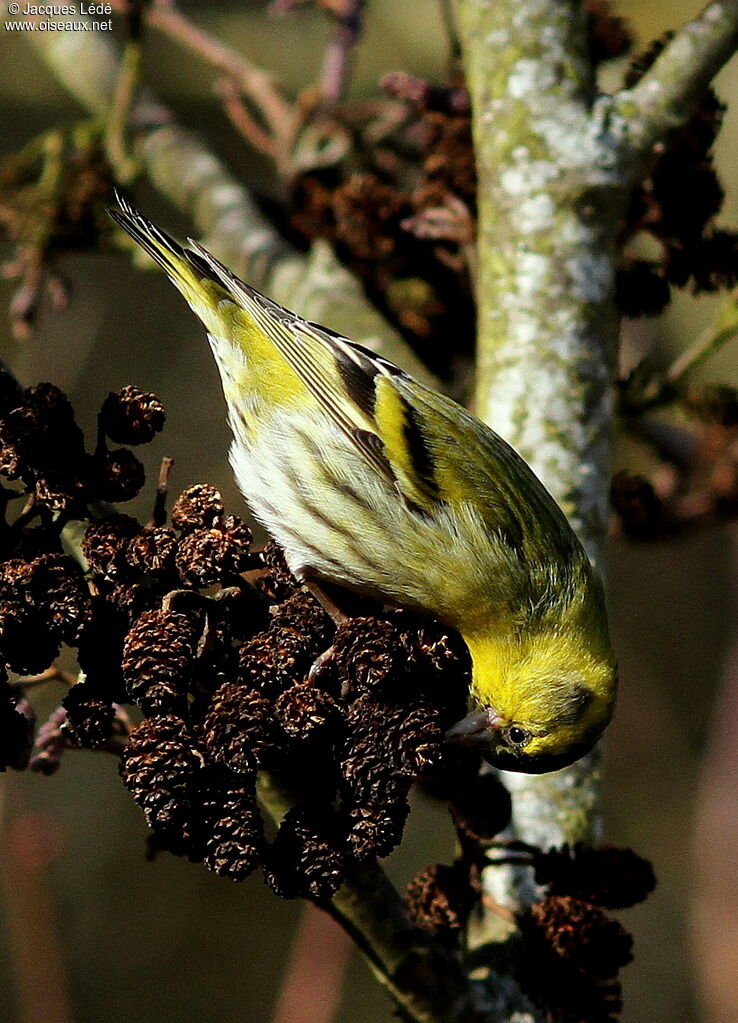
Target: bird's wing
<point x="423" y="444"/>
<point x="355" y="387"/>
<point x="427" y="446"/>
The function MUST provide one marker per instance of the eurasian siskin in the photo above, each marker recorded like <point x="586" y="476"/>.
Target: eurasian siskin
<point x="377" y="483"/>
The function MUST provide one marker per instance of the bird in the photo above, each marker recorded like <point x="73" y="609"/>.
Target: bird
<point x="379" y="485"/>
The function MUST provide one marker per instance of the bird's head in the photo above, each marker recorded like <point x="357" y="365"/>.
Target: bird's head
<point x="539" y="702"/>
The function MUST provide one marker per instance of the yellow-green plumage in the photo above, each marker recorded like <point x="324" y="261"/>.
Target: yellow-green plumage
<point x="373" y="481"/>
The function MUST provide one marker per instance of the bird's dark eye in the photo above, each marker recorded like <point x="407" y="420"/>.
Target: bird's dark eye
<point x="518" y="736"/>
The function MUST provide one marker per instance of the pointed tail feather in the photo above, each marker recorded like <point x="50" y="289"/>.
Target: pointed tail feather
<point x="189" y="273"/>
<point x="160" y="246"/>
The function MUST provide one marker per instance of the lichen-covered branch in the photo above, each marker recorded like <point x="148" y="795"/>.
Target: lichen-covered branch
<point x="554" y="171"/>
<point x="546" y="323"/>
<point x="424" y="978"/>
<point x="663" y="98"/>
<point x="192" y="177"/>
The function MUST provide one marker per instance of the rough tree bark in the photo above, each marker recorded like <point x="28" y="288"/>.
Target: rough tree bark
<point x="555" y="161"/>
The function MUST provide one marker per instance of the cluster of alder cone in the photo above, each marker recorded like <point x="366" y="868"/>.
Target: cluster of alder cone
<point x="207" y="644"/>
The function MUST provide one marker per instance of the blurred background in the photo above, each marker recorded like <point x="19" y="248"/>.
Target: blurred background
<point x="119" y="938"/>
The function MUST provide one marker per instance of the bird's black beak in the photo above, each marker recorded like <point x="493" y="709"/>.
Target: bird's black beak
<point x="476" y="729"/>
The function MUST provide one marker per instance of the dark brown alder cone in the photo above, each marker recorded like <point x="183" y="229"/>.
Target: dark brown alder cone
<point x="278" y="583"/>
<point x="298" y="633"/>
<point x="154" y="550"/>
<point x="164" y="767"/>
<point x="481" y="808"/>
<point x="419" y="739"/>
<point x="27" y="646"/>
<point x="132" y="599"/>
<point x="368" y="656"/>
<point x="198" y="507"/>
<point x="158" y="660"/>
<point x="581" y="933"/>
<point x="89" y="718"/>
<point x="236" y="846"/>
<point x="216" y="555"/>
<point x="100" y="648"/>
<point x="305" y="711"/>
<point x="119" y="475"/>
<point x="307" y="857"/>
<point x="573" y="953"/>
<point x="440" y="898"/>
<point x="105" y="545"/>
<point x="606" y="876"/>
<point x="637" y="505"/>
<point x="376" y="827"/>
<point x="59" y="594"/>
<point x="240" y="729"/>
<point x="132" y="416"/>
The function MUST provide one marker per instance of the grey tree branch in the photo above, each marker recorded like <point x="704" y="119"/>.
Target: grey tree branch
<point x="555" y="164"/>
<point x="663" y="98"/>
<point x="424" y="978"/>
<point x="228" y="221"/>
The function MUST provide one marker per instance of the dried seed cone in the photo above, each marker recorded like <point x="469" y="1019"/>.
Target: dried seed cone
<point x="90" y="718"/>
<point x="419" y="740"/>
<point x="198" y="507"/>
<point x="307" y="856"/>
<point x="304" y="712"/>
<point x="60" y="595"/>
<point x="207" y="556"/>
<point x="164" y="767"/>
<point x="278" y="583"/>
<point x="239" y="729"/>
<point x="636" y="504"/>
<point x="275" y="659"/>
<point x="153" y="550"/>
<point x="27" y="645"/>
<point x="581" y="933"/>
<point x="607" y="876"/>
<point x="119" y="475"/>
<point x="573" y="953"/>
<point x="158" y="660"/>
<point x="368" y="656"/>
<point x="132" y="416"/>
<point x="236" y="846"/>
<point x="440" y="898"/>
<point x="481" y="808"/>
<point x="376" y="828"/>
<point x="105" y="545"/>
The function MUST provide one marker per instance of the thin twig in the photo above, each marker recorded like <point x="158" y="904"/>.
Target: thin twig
<point x="241" y="119"/>
<point x="260" y="86"/>
<point x="159" y="514"/>
<point x="707" y="344"/>
<point x="663" y="98"/>
<point x="337" y="59"/>
<point x="52" y="674"/>
<point x="424" y="977"/>
<point x="191" y="177"/>
<point x="452" y="35"/>
<point x="125" y="92"/>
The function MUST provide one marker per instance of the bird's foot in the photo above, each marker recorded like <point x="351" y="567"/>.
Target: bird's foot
<point x="320" y="666"/>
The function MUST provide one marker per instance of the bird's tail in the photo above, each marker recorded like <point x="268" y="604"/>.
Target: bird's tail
<point x="184" y="268"/>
